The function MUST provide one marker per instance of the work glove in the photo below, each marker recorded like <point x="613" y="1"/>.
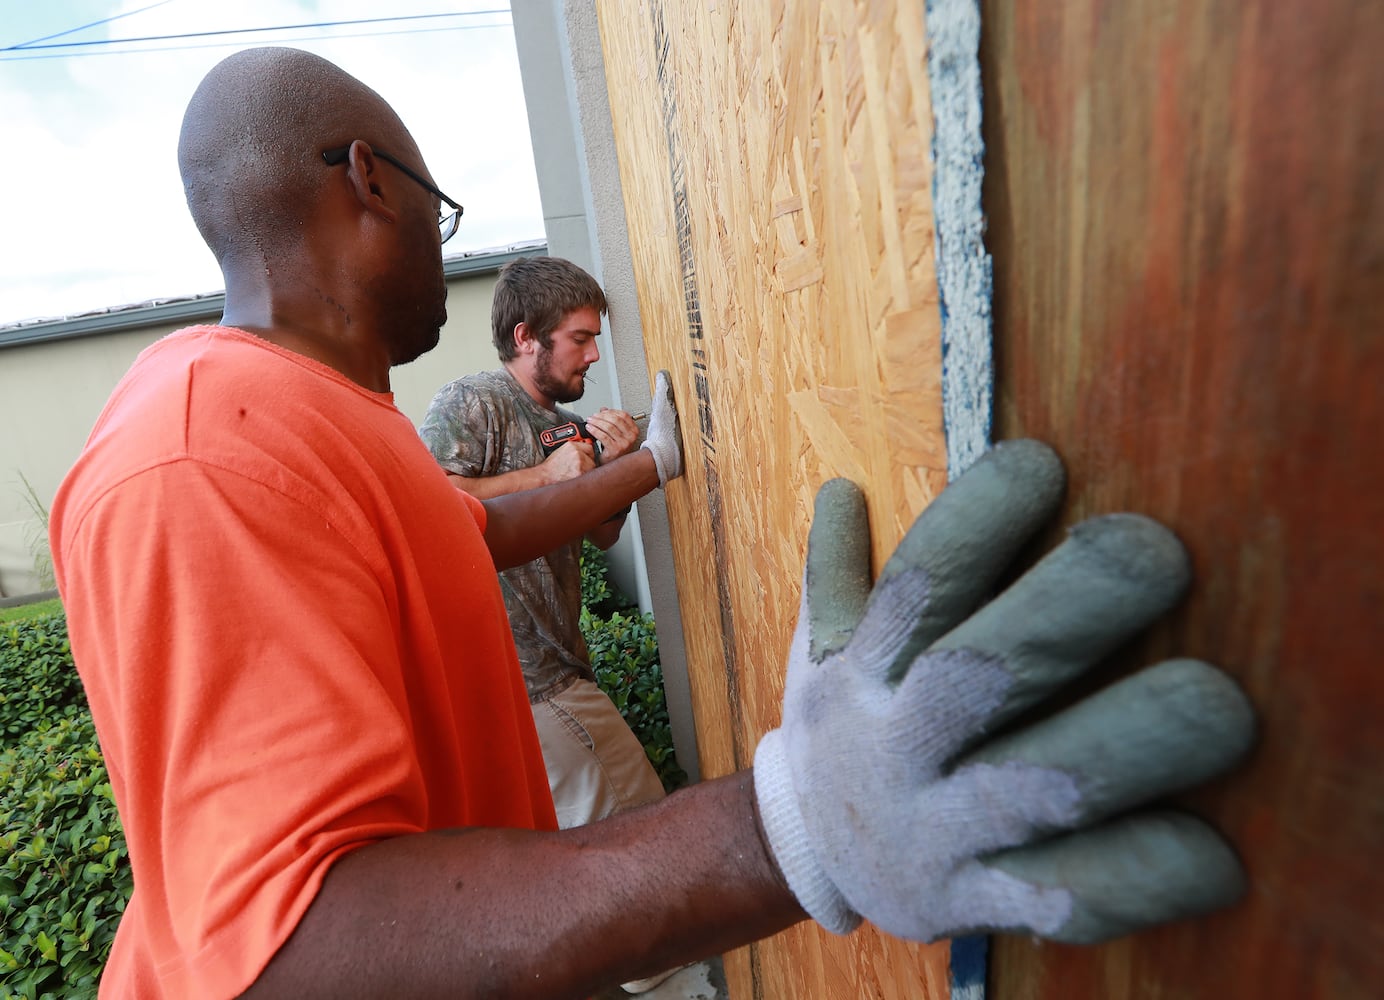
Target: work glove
<point x="662" y="437"/>
<point x="892" y="789"/>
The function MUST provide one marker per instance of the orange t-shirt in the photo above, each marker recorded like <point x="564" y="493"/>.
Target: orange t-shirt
<point x="287" y="656"/>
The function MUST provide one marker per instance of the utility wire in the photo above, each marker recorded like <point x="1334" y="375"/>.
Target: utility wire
<point x="93" y="24"/>
<point x="89" y="54"/>
<point x="30" y="47"/>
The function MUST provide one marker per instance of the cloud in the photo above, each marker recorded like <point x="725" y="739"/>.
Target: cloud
<point x="102" y="221"/>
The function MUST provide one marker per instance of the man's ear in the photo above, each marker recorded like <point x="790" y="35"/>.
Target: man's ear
<point x="524" y="340"/>
<point x="363" y="171"/>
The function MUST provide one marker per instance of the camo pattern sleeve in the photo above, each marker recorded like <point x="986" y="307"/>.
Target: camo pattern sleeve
<point x="474" y="427"/>
<point x="484" y="425"/>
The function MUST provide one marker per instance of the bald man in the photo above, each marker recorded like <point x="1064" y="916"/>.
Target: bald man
<point x="317" y="731"/>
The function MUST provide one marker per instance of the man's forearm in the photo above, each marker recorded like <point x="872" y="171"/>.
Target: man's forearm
<point x="486" y="487"/>
<point x="607" y="533"/>
<point x="487" y="913"/>
<point x="523" y="526"/>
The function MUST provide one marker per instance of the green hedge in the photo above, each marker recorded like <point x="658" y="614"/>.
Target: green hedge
<point x="64" y="871"/>
<point x="38" y="681"/>
<point x="27" y="611"/>
<point x="624" y="656"/>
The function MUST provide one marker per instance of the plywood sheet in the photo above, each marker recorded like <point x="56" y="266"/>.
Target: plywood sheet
<point x="774" y="159"/>
<point x="1188" y="232"/>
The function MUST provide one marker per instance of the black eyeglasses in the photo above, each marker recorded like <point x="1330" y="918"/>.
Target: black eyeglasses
<point x="447" y="222"/>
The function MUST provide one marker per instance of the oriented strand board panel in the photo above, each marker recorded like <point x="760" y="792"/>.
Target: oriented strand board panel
<point x="1186" y="206"/>
<point x="774" y="159"/>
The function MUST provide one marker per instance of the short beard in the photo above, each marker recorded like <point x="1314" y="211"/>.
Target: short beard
<point x="548" y="385"/>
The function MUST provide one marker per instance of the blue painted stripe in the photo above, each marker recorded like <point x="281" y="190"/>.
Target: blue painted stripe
<point x="964" y="288"/>
<point x="968" y="967"/>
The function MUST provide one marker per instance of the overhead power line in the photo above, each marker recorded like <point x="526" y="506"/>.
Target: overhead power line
<point x="98" y="53"/>
<point x="27" y="47"/>
<point x="93" y="24"/>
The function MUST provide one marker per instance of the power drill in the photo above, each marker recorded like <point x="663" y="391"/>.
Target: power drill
<point x="553" y="438"/>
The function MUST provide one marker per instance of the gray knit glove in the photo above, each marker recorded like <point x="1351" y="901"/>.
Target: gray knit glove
<point x="662" y="438"/>
<point x="891" y="789"/>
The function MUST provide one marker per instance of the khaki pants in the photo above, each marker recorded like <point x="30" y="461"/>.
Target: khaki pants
<point x="596" y="766"/>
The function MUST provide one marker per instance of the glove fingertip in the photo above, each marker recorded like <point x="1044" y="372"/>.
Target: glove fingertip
<point x="1217" y="700"/>
<point x="966" y="537"/>
<point x="1030" y="459"/>
<point x="1136" y="872"/>
<point x="1026" y="472"/>
<point x="1139" y="549"/>
<point x="839" y="500"/>
<point x="836" y="581"/>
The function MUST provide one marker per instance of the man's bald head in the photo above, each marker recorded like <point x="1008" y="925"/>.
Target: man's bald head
<point x="251" y="146"/>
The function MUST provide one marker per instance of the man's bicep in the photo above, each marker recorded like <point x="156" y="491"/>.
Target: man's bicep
<point x="458" y="429"/>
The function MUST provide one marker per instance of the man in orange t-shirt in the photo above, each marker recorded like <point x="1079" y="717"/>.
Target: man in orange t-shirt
<point x="341" y="672"/>
<point x="285" y="659"/>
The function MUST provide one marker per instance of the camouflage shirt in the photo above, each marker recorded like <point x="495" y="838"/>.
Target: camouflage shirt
<point x="484" y="425"/>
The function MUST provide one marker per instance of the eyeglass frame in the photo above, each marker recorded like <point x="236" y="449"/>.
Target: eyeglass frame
<point x="336" y="157"/>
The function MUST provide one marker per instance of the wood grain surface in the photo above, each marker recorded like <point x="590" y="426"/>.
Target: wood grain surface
<point x="774" y="159"/>
<point x="1188" y="232"/>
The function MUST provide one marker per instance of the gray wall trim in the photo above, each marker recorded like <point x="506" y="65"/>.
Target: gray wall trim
<point x="125" y="318"/>
<point x="563" y="70"/>
<point x="24" y="599"/>
<point x="201" y="307"/>
<point x="605" y="203"/>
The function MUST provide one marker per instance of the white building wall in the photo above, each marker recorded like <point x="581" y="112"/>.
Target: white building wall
<point x="51" y="393"/>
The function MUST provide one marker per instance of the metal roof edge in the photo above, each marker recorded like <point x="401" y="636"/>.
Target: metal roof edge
<point x="184" y="310"/>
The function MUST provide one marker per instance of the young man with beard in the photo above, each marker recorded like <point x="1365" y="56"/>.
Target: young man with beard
<point x="484" y="429"/>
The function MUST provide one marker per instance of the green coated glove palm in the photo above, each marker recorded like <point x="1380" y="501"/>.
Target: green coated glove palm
<point x="894" y="789"/>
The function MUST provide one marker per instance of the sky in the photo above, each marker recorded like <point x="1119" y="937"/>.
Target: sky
<point x="94" y="215"/>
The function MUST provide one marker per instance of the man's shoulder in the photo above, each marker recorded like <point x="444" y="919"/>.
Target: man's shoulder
<point x="210" y="403"/>
<point x="210" y="388"/>
<point x="482" y="383"/>
<point x="474" y="412"/>
<point x="488" y="388"/>
<point x="462" y="400"/>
